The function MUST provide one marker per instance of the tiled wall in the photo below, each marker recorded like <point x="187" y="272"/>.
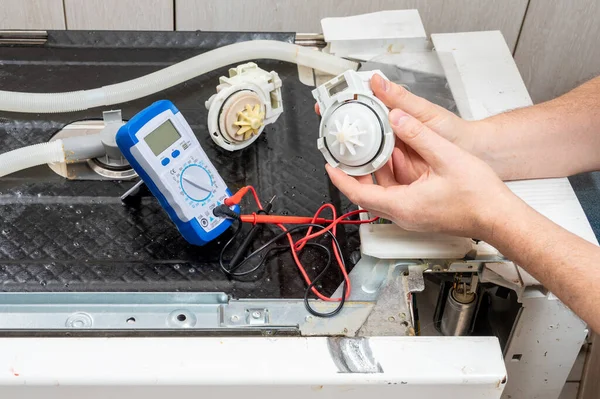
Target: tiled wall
<point x="554" y="41"/>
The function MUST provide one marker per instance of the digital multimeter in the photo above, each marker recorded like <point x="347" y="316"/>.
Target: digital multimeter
<point x="163" y="150"/>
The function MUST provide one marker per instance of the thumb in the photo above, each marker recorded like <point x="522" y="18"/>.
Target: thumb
<point x="433" y="148"/>
<point x="396" y="96"/>
<point x="360" y="191"/>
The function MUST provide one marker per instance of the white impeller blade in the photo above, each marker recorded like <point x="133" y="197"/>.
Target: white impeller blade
<point x="338" y="126"/>
<point x="347" y="136"/>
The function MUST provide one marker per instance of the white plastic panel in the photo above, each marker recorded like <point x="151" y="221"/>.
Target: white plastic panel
<point x="545" y="342"/>
<point x="294" y="368"/>
<point x="368" y="35"/>
<point x="481" y="72"/>
<point x="555" y="199"/>
<point x="388" y="241"/>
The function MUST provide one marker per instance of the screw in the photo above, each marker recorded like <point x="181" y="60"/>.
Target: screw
<point x="308" y="318"/>
<point x="235" y="318"/>
<point x="256" y="314"/>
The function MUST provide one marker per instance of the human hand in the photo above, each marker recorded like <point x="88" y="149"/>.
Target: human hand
<point x="408" y="165"/>
<point x="454" y="193"/>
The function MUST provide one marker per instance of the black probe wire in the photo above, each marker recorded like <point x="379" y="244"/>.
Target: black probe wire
<point x="339" y="308"/>
<point x="231" y="271"/>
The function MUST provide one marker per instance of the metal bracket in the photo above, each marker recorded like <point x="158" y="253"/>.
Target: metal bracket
<point x="379" y="304"/>
<point x="200" y="313"/>
<point x="23" y="37"/>
<point x="375" y="286"/>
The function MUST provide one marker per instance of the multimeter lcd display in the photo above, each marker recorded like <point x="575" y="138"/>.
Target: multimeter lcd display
<point x="162" y="138"/>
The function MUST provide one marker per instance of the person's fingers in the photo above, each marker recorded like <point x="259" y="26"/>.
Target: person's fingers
<point x="385" y="175"/>
<point x="398" y="160"/>
<point x="380" y="215"/>
<point x="432" y="147"/>
<point x="372" y="197"/>
<point x="317" y="110"/>
<point x="396" y="96"/>
<point x="367" y="179"/>
<point x="403" y="171"/>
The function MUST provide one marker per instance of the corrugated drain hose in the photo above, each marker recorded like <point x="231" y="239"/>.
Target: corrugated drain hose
<point x="33" y="155"/>
<point x="171" y="76"/>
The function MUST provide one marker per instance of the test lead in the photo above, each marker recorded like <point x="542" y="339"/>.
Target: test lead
<point x="315" y="226"/>
<point x="257" y="228"/>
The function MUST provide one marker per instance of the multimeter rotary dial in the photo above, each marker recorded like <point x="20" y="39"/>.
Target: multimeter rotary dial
<point x="196" y="182"/>
<point x="162" y="148"/>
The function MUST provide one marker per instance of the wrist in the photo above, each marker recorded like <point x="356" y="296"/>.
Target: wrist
<point x="496" y="217"/>
<point x="487" y="145"/>
<point x="482" y="135"/>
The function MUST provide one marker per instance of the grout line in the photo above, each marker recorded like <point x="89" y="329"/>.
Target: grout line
<point x="65" y="14"/>
<point x="174" y="15"/>
<point x="522" y="26"/>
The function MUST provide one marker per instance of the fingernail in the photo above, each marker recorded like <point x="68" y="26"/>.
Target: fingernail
<point x="397" y="117"/>
<point x="385" y="85"/>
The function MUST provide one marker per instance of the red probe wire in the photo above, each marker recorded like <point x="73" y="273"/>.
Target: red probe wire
<point x="297" y="246"/>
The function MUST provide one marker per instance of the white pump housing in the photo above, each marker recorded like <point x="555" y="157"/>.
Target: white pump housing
<point x="245" y="102"/>
<point x="355" y="134"/>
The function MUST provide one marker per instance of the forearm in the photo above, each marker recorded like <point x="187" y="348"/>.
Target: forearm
<point x="564" y="263"/>
<point x="553" y="139"/>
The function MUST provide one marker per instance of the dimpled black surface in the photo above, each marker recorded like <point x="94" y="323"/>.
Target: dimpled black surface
<point x="59" y="235"/>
